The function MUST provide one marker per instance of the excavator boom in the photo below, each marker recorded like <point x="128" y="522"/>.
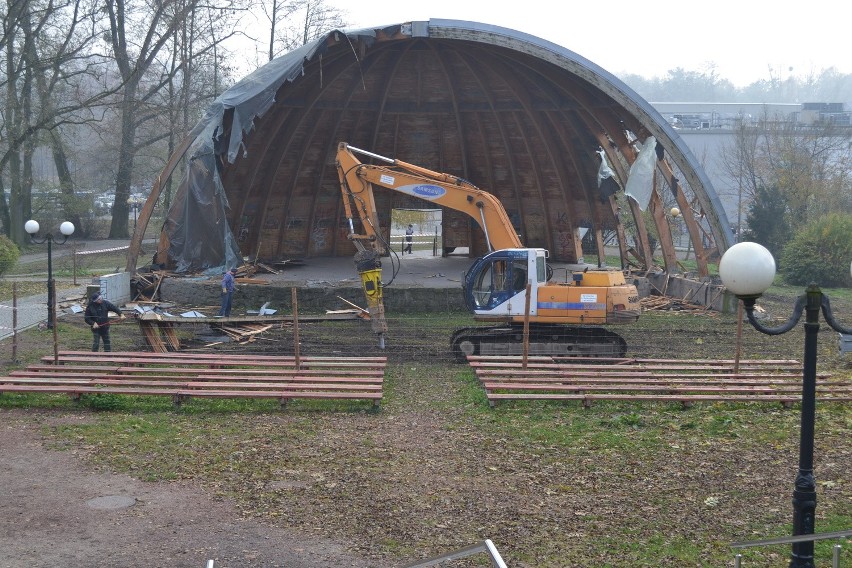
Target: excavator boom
<point x="357" y="180"/>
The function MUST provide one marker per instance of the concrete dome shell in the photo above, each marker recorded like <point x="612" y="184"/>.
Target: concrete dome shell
<point x="520" y="117"/>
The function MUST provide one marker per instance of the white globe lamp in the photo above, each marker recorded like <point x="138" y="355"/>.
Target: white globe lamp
<point x="747" y="269"/>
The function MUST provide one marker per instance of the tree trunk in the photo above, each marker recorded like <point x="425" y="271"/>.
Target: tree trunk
<point x="123" y="178"/>
<point x="66" y="182"/>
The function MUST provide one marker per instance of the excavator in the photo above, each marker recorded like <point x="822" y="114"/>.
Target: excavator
<point x="511" y="286"/>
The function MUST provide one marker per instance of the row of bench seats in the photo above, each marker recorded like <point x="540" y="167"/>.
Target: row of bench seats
<point x="185" y="375"/>
<point x="668" y="380"/>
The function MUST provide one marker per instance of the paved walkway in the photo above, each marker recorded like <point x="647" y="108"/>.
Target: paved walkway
<point x="32" y="310"/>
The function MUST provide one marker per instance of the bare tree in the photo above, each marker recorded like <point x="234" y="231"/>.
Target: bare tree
<point x="293" y="23"/>
<point x="145" y="78"/>
<point x="49" y="59"/>
<point x="806" y="164"/>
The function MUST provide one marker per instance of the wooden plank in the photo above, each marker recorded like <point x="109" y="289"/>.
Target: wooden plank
<point x="278" y="393"/>
<point x="69" y="368"/>
<point x="639" y="389"/>
<point x="181" y="375"/>
<point x="168" y="330"/>
<point x="221" y="363"/>
<point x="231" y="372"/>
<point x="194" y="356"/>
<point x="658" y="367"/>
<point x="199" y="358"/>
<point x="649" y="398"/>
<point x="686" y="381"/>
<point x="626" y="382"/>
<point x="331" y="384"/>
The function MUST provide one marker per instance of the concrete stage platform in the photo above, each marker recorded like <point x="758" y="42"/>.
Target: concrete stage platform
<point x="417" y="281"/>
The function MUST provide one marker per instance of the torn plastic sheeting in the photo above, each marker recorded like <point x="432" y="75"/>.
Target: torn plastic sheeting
<point x="200" y="237"/>
<point x="607" y="185"/>
<point x="263" y="311"/>
<point x="253" y="95"/>
<point x="192" y="314"/>
<point x="196" y="224"/>
<point x="640" y="181"/>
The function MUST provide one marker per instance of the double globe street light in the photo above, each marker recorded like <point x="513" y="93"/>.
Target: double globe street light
<point x="67" y="229"/>
<point x="747" y="270"/>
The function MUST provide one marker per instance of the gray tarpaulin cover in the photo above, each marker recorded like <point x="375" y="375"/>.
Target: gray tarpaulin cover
<point x="199" y="236"/>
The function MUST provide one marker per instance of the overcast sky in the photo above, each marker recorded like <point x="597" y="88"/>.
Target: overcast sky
<point x="746" y="40"/>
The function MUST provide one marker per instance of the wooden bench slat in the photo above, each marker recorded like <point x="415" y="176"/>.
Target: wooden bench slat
<point x="224" y="363"/>
<point x="280" y="393"/>
<point x="196" y="355"/>
<point x="248" y="371"/>
<point x="686" y="381"/>
<point x="184" y="375"/>
<point x="638" y="388"/>
<point x="24" y="377"/>
<point x="629" y="397"/>
<point x="217" y="385"/>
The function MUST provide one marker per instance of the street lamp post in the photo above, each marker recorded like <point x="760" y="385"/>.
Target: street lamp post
<point x="134" y="203"/>
<point x="67" y="229"/>
<point x="747" y="270"/>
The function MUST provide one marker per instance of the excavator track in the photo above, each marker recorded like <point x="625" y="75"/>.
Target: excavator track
<point x="544" y="339"/>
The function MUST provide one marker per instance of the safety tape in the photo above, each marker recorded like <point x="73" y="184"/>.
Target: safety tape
<point x="113" y="249"/>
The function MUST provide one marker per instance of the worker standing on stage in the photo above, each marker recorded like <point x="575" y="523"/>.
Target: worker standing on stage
<point x="97" y="317"/>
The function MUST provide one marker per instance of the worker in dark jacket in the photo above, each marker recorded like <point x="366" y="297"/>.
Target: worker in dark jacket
<point x="409" y="239"/>
<point x="97" y="316"/>
<point x="228" y="286"/>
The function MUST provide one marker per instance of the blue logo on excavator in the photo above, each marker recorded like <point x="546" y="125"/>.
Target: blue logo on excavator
<point x="428" y="191"/>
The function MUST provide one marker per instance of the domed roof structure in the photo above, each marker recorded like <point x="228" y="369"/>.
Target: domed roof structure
<point x="555" y="137"/>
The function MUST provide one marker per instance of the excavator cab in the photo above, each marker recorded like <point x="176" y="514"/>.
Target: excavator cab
<point x="496" y="284"/>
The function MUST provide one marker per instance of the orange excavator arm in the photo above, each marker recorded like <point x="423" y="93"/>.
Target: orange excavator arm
<point x="357" y="180"/>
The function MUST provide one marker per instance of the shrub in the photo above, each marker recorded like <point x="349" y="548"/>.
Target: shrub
<point x="820" y="253"/>
<point x="9" y="254"/>
<point x="767" y="221"/>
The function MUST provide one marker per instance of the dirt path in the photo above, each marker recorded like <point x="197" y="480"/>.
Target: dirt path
<point x="53" y="512"/>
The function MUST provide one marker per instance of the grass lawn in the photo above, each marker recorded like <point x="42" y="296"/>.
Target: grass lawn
<point x="435" y="469"/>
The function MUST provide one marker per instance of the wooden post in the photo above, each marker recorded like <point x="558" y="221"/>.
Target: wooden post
<point x="435" y="243"/>
<point x="738" y="352"/>
<point x="295" y="327"/>
<point x="527" y="325"/>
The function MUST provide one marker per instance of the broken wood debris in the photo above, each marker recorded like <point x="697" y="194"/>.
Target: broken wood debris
<point x="668" y="303"/>
<point x="242" y="332"/>
<point x="362" y="313"/>
<point x="146" y="285"/>
<point x="161" y="337"/>
<point x="265" y="268"/>
<point x="247" y="280"/>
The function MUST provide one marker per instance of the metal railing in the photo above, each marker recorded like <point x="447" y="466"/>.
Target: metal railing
<point x="486" y="546"/>
<point x="835" y="560"/>
<point x="417" y="239"/>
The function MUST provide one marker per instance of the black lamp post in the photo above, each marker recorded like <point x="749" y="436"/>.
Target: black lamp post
<point x="134" y="202"/>
<point x="67" y="229"/>
<point x="747" y="270"/>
